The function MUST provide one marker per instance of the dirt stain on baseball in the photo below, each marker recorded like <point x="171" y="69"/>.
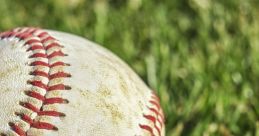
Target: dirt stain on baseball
<point x="104" y="91"/>
<point x="112" y="66"/>
<point x="110" y="110"/>
<point x="4" y="74"/>
<point x="105" y="104"/>
<point x="124" y="87"/>
<point x="84" y="93"/>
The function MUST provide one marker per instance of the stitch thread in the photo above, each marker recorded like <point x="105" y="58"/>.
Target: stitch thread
<point x="40" y="44"/>
<point x="154" y="115"/>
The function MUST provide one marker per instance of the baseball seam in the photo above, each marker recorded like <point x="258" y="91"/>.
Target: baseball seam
<point x="45" y="49"/>
<point x="154" y="117"/>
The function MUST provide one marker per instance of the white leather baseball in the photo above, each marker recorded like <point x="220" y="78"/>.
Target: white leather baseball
<point x="58" y="84"/>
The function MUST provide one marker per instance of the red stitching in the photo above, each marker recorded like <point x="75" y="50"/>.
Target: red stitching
<point x="35" y="95"/>
<point x="39" y="63"/>
<point x="49" y="38"/>
<point x="51" y="113"/>
<point x="39" y="84"/>
<point x="40" y="73"/>
<point x="55" y="54"/>
<point x="58" y="87"/>
<point x="45" y="43"/>
<point x="31" y="30"/>
<point x="17" y="129"/>
<point x="36" y="47"/>
<point x="27" y="119"/>
<point x="148" y="128"/>
<point x="43" y="125"/>
<point x="29" y="106"/>
<point x="54" y="100"/>
<point x="5" y="34"/>
<point x="153" y="119"/>
<point x="23" y="35"/>
<point x="157" y="117"/>
<point x="158" y="114"/>
<point x="33" y="41"/>
<point x="155" y="103"/>
<point x="38" y="55"/>
<point x="58" y="64"/>
<point x="52" y="45"/>
<point x="42" y="34"/>
<point x="59" y="75"/>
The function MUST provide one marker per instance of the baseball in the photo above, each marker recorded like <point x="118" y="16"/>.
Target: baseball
<point x="57" y="84"/>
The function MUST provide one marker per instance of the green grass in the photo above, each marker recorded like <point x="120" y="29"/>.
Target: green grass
<point x="202" y="56"/>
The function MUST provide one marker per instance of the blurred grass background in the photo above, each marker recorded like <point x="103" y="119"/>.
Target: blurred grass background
<point x="202" y="56"/>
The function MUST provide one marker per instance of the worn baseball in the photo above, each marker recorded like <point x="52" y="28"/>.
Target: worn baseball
<point x="57" y="84"/>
